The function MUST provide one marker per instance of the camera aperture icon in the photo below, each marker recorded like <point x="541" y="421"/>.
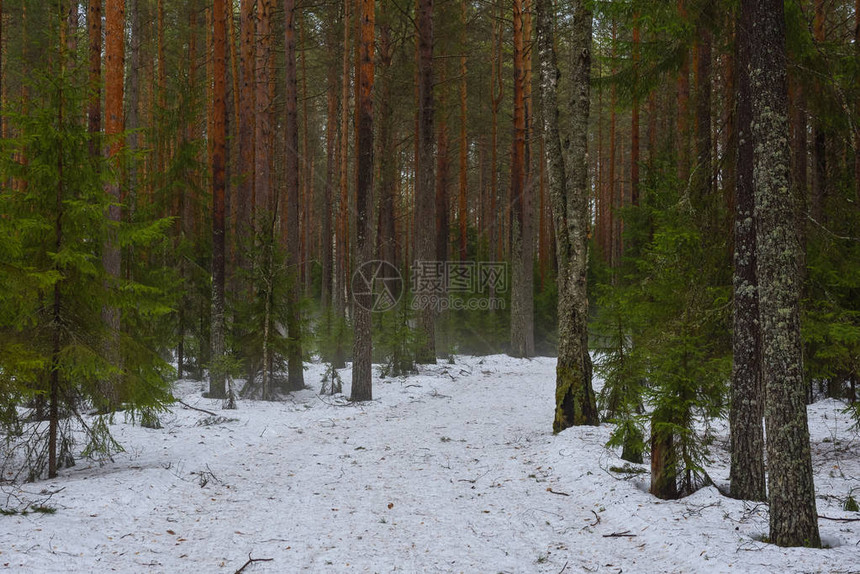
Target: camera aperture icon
<point x="377" y="286"/>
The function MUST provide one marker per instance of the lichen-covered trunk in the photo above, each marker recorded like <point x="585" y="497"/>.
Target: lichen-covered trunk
<point x="791" y="493"/>
<point x="217" y="388"/>
<point x="425" y="201"/>
<point x="362" y="389"/>
<point x="574" y="399"/>
<point x="290" y="207"/>
<point x="747" y="397"/>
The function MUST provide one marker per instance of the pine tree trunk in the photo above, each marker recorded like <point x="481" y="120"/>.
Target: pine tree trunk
<point x="443" y="224"/>
<point x="747" y="398"/>
<point x="246" y="127"/>
<point x="522" y="254"/>
<point x="857" y="109"/>
<point x="634" y="119"/>
<point x="94" y="112"/>
<point x="791" y="493"/>
<point x="462" y="206"/>
<point x="362" y="378"/>
<point x="341" y="269"/>
<point x="263" y="119"/>
<point x="386" y="232"/>
<point x="331" y="162"/>
<point x="703" y="116"/>
<point x="496" y="95"/>
<point x="111" y="257"/>
<point x="425" y="203"/>
<point x="217" y="387"/>
<point x="682" y="136"/>
<point x="291" y="206"/>
<point x="132" y="117"/>
<point x="612" y="203"/>
<point x="819" y="138"/>
<point x="574" y="398"/>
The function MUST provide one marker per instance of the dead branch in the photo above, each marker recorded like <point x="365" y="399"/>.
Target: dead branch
<point x="186" y="405"/>
<point x="251" y="561"/>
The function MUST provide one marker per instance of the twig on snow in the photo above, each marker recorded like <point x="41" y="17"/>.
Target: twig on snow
<point x="251" y="561"/>
<point x="839" y="519"/>
<point x="186" y="405"/>
<point x="625" y="534"/>
<point x="557" y="492"/>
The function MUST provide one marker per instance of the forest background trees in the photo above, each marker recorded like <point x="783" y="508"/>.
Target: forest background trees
<point x="195" y="183"/>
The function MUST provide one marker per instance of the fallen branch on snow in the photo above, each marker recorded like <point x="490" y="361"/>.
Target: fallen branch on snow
<point x="186" y="405"/>
<point x="251" y="561"/>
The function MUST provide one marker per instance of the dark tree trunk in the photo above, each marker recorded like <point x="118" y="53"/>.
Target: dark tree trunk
<point x="94" y="112"/>
<point x="246" y="127"/>
<point x="290" y="207"/>
<point x="574" y="397"/>
<point x="747" y="398"/>
<point x="217" y="388"/>
<point x="425" y="202"/>
<point x="522" y="252"/>
<point x="703" y="119"/>
<point x="362" y="373"/>
<point x="111" y="257"/>
<point x="791" y="493"/>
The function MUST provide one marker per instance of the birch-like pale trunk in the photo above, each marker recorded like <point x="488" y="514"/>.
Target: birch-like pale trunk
<point x="574" y="399"/>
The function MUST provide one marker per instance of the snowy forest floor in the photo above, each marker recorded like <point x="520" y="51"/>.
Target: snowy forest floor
<point x="452" y="470"/>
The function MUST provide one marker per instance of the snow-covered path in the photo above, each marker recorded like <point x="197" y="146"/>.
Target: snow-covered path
<point x="453" y="470"/>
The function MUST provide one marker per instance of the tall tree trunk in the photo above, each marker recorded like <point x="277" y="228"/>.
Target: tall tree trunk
<point x="331" y="162"/>
<point x="819" y="137"/>
<point x="290" y="207"/>
<point x="246" y="127"/>
<point x="462" y="205"/>
<point x="386" y="231"/>
<point x="704" y="176"/>
<point x="425" y="204"/>
<point x="94" y="112"/>
<point x="307" y="162"/>
<point x="791" y="493"/>
<point x="362" y="379"/>
<point x="634" y="117"/>
<point x="219" y="186"/>
<point x="132" y="116"/>
<point x="613" y="204"/>
<point x="443" y="223"/>
<point x="747" y="398"/>
<point x="730" y="137"/>
<point x="857" y="107"/>
<point x="574" y="397"/>
<point x="111" y="258"/>
<point x="496" y="95"/>
<point x="263" y="140"/>
<point x="341" y="273"/>
<point x="264" y="194"/>
<point x="522" y="253"/>
<point x="682" y="136"/>
<point x="57" y="322"/>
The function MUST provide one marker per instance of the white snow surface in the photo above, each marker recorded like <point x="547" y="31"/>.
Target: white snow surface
<point x="455" y="469"/>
